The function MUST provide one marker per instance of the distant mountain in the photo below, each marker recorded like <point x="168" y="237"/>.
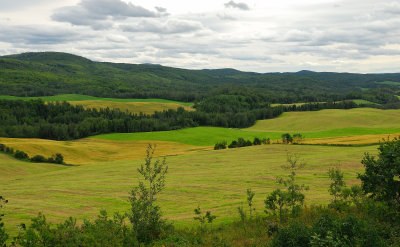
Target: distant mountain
<point x="50" y="57"/>
<point x="50" y="73"/>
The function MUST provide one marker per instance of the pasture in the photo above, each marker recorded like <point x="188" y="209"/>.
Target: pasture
<point x="133" y="107"/>
<point x="365" y="119"/>
<point x="80" y="97"/>
<point x="214" y="180"/>
<point x="198" y="136"/>
<point x="372" y="124"/>
<point x="357" y="101"/>
<point x="88" y="150"/>
<point x="146" y="106"/>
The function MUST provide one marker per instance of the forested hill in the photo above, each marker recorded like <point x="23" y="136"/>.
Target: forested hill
<point x="51" y="73"/>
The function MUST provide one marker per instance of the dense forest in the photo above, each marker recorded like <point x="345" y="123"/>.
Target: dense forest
<point x="51" y="73"/>
<point x="62" y="121"/>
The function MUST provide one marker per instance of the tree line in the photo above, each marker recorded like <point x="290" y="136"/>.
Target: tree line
<point x="63" y="121"/>
<point x="57" y="158"/>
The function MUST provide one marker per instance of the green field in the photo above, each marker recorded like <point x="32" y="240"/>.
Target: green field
<point x="365" y="119"/>
<point x="215" y="180"/>
<point x="363" y="101"/>
<point x="79" y="97"/>
<point x="391" y="83"/>
<point x="198" y="136"/>
<point x="315" y="124"/>
<point x="357" y="101"/>
<point x="208" y="136"/>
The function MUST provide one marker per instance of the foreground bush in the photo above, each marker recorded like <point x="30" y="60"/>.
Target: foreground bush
<point x="3" y="234"/>
<point x="101" y="232"/>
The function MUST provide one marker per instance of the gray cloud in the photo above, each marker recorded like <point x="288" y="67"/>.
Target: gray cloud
<point x="226" y="17"/>
<point x="161" y="9"/>
<point x="232" y="4"/>
<point x="353" y="31"/>
<point x="100" y="14"/>
<point x="392" y="8"/>
<point x="7" y="5"/>
<point x="169" y="27"/>
<point x="38" y="35"/>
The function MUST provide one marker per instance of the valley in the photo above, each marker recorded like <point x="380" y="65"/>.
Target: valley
<point x="68" y="154"/>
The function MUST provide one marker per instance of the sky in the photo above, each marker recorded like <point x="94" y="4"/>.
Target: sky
<point x="361" y="36"/>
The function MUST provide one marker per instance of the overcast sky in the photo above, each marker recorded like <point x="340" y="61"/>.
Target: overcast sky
<point x="250" y="35"/>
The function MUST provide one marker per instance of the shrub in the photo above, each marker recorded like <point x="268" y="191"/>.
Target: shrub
<point x="3" y="234"/>
<point x="207" y="217"/>
<point x="331" y="230"/>
<point x="102" y="232"/>
<point x="287" y="138"/>
<point x="58" y="158"/>
<point x="9" y="150"/>
<point x="248" y="143"/>
<point x="21" y="155"/>
<point x="220" y="145"/>
<point x="234" y="144"/>
<point x="38" y="159"/>
<point x="295" y="235"/>
<point x="257" y="141"/>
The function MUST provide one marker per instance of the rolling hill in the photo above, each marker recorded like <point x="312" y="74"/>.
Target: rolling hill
<point x="51" y="73"/>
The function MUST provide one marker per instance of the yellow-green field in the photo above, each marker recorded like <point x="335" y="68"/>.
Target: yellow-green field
<point x="133" y="107"/>
<point x="215" y="180"/>
<point x="351" y="140"/>
<point x="81" y="97"/>
<point x="303" y="122"/>
<point x="88" y="151"/>
<point x="147" y="106"/>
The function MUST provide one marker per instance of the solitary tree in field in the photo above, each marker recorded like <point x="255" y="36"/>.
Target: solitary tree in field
<point x="287" y="138"/>
<point x="145" y="214"/>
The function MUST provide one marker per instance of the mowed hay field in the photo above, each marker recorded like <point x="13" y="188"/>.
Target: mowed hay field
<point x="334" y="123"/>
<point x="133" y="107"/>
<point x="80" y="97"/>
<point x="88" y="151"/>
<point x="146" y="106"/>
<point x="214" y="180"/>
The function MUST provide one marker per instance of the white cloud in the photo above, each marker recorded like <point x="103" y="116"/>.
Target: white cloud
<point x="171" y="26"/>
